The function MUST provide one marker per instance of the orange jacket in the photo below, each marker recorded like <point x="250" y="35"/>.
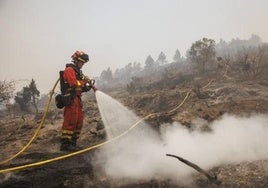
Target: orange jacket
<point x="70" y="77"/>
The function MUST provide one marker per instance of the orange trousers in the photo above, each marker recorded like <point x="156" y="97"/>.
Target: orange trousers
<point x="73" y="119"/>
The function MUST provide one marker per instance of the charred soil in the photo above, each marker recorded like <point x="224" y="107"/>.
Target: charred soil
<point x="209" y="99"/>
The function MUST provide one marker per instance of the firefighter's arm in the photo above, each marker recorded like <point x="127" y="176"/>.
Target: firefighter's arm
<point x="69" y="76"/>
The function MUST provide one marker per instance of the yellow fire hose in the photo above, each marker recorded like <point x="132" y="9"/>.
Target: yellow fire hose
<point x="86" y="149"/>
<point x="38" y="128"/>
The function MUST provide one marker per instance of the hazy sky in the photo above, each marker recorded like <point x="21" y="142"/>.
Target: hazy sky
<point x="38" y="37"/>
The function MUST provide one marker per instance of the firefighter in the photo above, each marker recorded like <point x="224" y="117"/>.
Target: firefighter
<point x="76" y="83"/>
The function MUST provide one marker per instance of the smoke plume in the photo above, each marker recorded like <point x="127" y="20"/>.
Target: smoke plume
<point x="141" y="153"/>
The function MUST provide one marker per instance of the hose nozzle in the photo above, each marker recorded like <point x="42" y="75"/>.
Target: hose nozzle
<point x="92" y="85"/>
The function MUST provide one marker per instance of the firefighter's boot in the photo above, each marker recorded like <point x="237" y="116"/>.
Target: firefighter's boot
<point x="67" y="145"/>
<point x="74" y="141"/>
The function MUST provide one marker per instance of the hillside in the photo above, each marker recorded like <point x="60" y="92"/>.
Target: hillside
<point x="210" y="98"/>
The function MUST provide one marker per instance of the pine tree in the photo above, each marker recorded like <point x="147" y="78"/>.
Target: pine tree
<point x="161" y="59"/>
<point x="177" y="56"/>
<point x="27" y="96"/>
<point x="202" y="52"/>
<point x="149" y="63"/>
<point x="34" y="93"/>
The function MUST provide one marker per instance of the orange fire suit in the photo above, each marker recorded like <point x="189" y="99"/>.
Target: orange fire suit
<point x="73" y="114"/>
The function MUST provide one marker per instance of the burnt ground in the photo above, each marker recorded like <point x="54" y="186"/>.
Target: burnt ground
<point x="209" y="99"/>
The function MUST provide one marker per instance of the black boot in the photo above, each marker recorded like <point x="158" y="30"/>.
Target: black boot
<point x="74" y="141"/>
<point x="67" y="145"/>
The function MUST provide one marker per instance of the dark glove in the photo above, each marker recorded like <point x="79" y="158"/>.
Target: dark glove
<point x="86" y="88"/>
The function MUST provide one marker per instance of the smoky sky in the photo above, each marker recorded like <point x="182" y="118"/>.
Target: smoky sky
<point x="38" y="37"/>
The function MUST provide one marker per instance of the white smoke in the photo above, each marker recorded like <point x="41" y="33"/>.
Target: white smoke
<point x="141" y="154"/>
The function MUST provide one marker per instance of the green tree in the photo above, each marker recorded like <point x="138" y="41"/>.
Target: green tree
<point x="202" y="52"/>
<point x="28" y="95"/>
<point x="162" y="58"/>
<point x="149" y="63"/>
<point x="23" y="100"/>
<point x="177" y="56"/>
<point x="34" y="93"/>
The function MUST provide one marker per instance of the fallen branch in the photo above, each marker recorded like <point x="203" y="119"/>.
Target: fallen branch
<point x="212" y="179"/>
